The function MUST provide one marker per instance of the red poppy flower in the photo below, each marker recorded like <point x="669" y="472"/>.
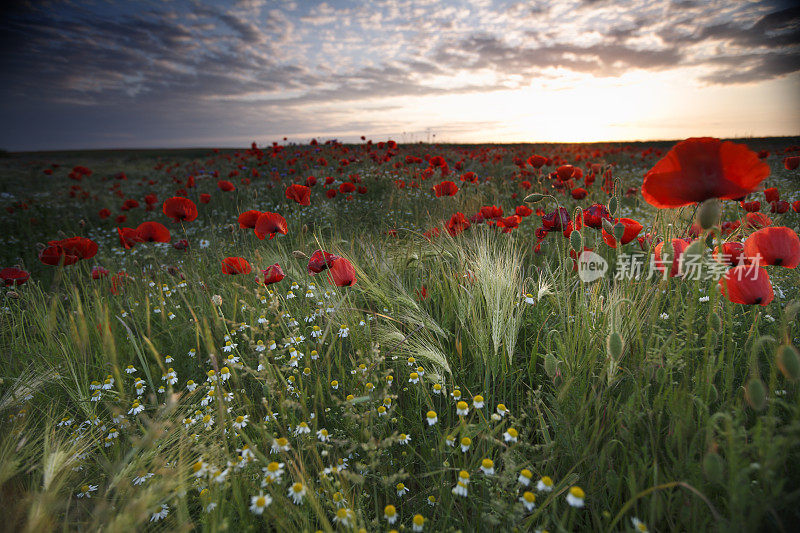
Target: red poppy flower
<point x="747" y="284"/>
<point x="330" y="193"/>
<point x="247" y="220"/>
<point x="180" y="209"/>
<point x="751" y="207"/>
<point x="796" y="206"/>
<point x="732" y="253"/>
<point x="564" y="172"/>
<point x="457" y="224"/>
<point x="678" y="247"/>
<point x="346" y="187"/>
<point x="272" y="274"/>
<point x="791" y="163"/>
<point x="579" y="193"/>
<point x="523" y="211"/>
<point x="319" y="261"/>
<point x="55" y="255"/>
<point x="632" y="229"/>
<point x="342" y="273"/>
<point x="182" y="244"/>
<point x="205" y="198"/>
<point x="445" y="188"/>
<point x="153" y="232"/>
<point x="226" y="186"/>
<point x="128" y="237"/>
<point x="118" y="281"/>
<point x="557" y="220"/>
<point x="235" y="265"/>
<point x="81" y="247"/>
<point x="772" y="195"/>
<point x="594" y="214"/>
<point x="697" y="169"/>
<point x="99" y="272"/>
<point x="311" y="181"/>
<point x="779" y="207"/>
<point x="299" y="193"/>
<point x="270" y="224"/>
<point x="777" y="246"/>
<point x="508" y="223"/>
<point x="537" y="161"/>
<point x="756" y="220"/>
<point x="104" y="213"/>
<point x="491" y="212"/>
<point x="14" y="276"/>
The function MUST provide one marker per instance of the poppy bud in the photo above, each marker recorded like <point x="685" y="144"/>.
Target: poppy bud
<point x="613" y="204"/>
<point x="755" y="394"/>
<point x="789" y="362"/>
<point x="608" y="226"/>
<point x="576" y="241"/>
<point x="614" y="345"/>
<point x="619" y="231"/>
<point x="708" y="213"/>
<point x="550" y="364"/>
<point x="713" y="467"/>
<point x="533" y="198"/>
<point x="297" y="254"/>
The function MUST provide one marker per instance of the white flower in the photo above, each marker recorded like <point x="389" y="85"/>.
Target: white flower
<point x="343" y="517"/>
<point x="528" y="499"/>
<point x="487" y="466"/>
<point x="323" y="435"/>
<point x="86" y="491"/>
<point x="404" y="439"/>
<point x="297" y="492"/>
<point x="160" y="514"/>
<point x="273" y="472"/>
<point x="136" y="408"/>
<point x="344" y="331"/>
<point x="511" y="435"/>
<point x="241" y="421"/>
<point x="575" y="497"/>
<point x="259" y="503"/>
<point x="204" y="243"/>
<point x="301" y="429"/>
<point x="639" y="526"/>
<point x="431" y="418"/>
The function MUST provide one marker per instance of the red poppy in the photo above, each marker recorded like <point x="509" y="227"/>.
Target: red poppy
<point x="579" y="193"/>
<point x="508" y="223"/>
<point x="491" y="212"/>
<point x="772" y="195"/>
<point x="153" y="232"/>
<point x="342" y="273"/>
<point x="235" y="265"/>
<point x="564" y="172"/>
<point x="270" y="224"/>
<point x="299" y="193"/>
<point x="104" y="213"/>
<point x="205" y="198"/>
<point x="311" y="181"/>
<point x="346" y="188"/>
<point x="330" y="193"/>
<point x="557" y="220"/>
<point x="457" y="224"/>
<point x="732" y="253"/>
<point x="697" y="169"/>
<point x="319" y="261"/>
<point x="751" y="207"/>
<point x="55" y="255"/>
<point x="747" y="284"/>
<point x="14" y="276"/>
<point x="180" y="209"/>
<point x="796" y="206"/>
<point x="99" y="272"/>
<point x="273" y="274"/>
<point x="128" y="237"/>
<point x="523" y="211"/>
<point x="791" y="163"/>
<point x="756" y="220"/>
<point x="594" y="214"/>
<point x="678" y="247"/>
<point x="182" y="244"/>
<point x="777" y="246"/>
<point x="247" y="220"/>
<point x="81" y="247"/>
<point x="779" y="207"/>
<point x="632" y="229"/>
<point x="445" y="188"/>
<point x="537" y="161"/>
<point x="118" y="281"/>
<point x="226" y="186"/>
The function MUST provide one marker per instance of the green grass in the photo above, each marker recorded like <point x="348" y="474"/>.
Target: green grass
<point x="645" y="393"/>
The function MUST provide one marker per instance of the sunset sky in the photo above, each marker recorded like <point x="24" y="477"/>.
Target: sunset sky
<point x="97" y="74"/>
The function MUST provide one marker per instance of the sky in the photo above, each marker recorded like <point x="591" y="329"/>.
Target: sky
<point x="174" y="73"/>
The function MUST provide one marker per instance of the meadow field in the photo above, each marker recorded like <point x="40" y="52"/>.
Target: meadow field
<point x="373" y="336"/>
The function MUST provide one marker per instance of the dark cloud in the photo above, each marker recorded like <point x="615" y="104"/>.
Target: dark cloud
<point x="194" y="63"/>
